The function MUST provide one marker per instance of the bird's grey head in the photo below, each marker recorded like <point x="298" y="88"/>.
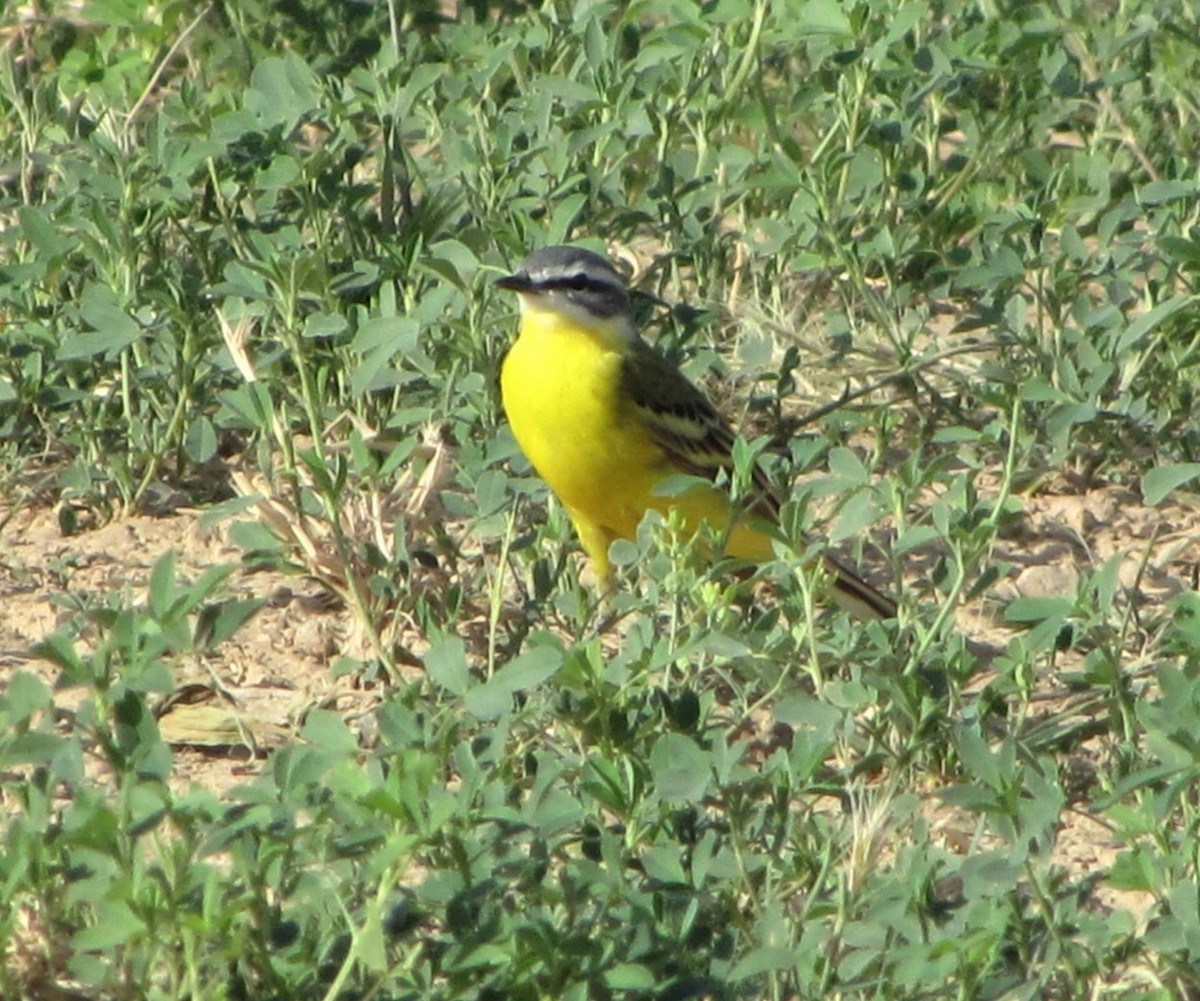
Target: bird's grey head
<point x="572" y="275"/>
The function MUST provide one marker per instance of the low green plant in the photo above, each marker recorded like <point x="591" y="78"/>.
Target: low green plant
<point x="937" y="261"/>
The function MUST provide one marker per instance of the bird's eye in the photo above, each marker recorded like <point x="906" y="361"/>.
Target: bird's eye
<point x="578" y="283"/>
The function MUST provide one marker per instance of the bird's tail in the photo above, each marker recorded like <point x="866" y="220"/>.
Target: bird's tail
<point x="855" y="595"/>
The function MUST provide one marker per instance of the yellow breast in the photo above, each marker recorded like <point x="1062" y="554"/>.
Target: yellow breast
<point x="561" y="390"/>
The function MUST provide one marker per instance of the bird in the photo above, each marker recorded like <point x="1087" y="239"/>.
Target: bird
<point x="605" y="420"/>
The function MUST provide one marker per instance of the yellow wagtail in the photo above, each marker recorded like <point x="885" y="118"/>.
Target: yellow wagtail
<point x="605" y="419"/>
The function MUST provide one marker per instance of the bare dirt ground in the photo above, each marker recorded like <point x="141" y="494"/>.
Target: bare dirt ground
<point x="232" y="708"/>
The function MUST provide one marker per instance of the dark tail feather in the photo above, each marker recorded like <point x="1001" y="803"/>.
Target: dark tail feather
<point x="855" y="595"/>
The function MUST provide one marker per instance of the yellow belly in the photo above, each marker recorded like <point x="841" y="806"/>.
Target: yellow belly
<point x="560" y="384"/>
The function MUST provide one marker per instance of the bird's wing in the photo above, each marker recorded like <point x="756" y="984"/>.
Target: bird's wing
<point x="696" y="440"/>
<point x="684" y="424"/>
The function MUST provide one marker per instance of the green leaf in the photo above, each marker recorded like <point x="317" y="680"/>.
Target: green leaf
<point x="664" y="863"/>
<point x="379" y="340"/>
<point x="160" y="591"/>
<point x="219" y="621"/>
<point x="453" y="261"/>
<point x="494" y="697"/>
<point x="491" y="492"/>
<point x="680" y="768"/>
<point x="283" y="90"/>
<point x="1161" y="481"/>
<point x="977" y="757"/>
<point x="370" y="947"/>
<point x="1180" y="250"/>
<point x="59" y="649"/>
<point x="823" y="17"/>
<point x="115" y="924"/>
<point x="1132" y="870"/>
<point x="1142" y="324"/>
<point x="446" y="665"/>
<point x="113" y="328"/>
<point x="324" y="325"/>
<point x="854" y="517"/>
<point x="39" y="229"/>
<point x="33" y="748"/>
<point x="678" y="484"/>
<point x="24" y="695"/>
<point x="201" y="440"/>
<point x="566" y="216"/>
<point x="846" y="469"/>
<point x="255" y="537"/>
<point x="1161" y="192"/>
<point x="630" y="977"/>
<point x="765" y="959"/>
<point x="1038" y="609"/>
<point x="252" y="404"/>
<point x="328" y="730"/>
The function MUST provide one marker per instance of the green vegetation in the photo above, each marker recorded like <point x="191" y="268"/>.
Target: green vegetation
<point x="226" y="227"/>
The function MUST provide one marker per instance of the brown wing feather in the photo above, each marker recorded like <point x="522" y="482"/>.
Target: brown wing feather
<point x="695" y="438"/>
<point x="685" y="425"/>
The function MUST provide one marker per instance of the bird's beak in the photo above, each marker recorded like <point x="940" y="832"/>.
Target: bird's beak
<point x="520" y="282"/>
